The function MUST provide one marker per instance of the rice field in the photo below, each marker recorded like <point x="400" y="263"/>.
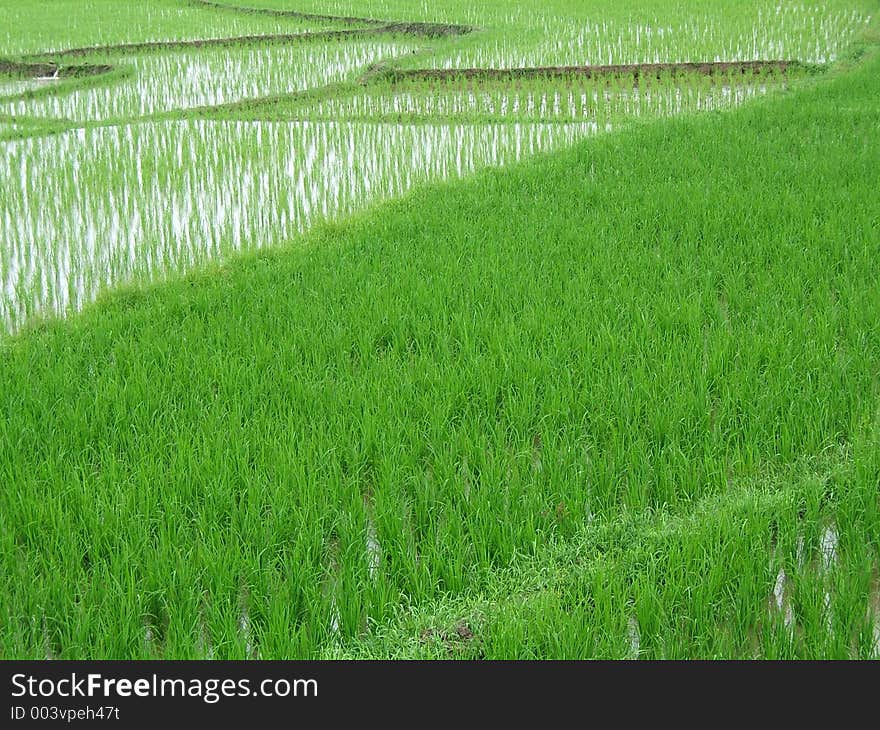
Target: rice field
<point x="771" y="31"/>
<point x="163" y="83"/>
<point x="393" y="329"/>
<point x="36" y="28"/>
<point x="562" y="32"/>
<point x="579" y="100"/>
<point x="140" y="202"/>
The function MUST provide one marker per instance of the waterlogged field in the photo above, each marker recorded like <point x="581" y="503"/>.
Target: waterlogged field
<point x="575" y="99"/>
<point x="765" y="31"/>
<point x="165" y="82"/>
<point x="439" y="330"/>
<point x="139" y="202"/>
<point x="563" y="32"/>
<point x="35" y="28"/>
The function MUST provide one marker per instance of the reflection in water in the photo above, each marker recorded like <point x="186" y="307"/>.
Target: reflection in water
<point x="828" y="556"/>
<point x="11" y="88"/>
<point x="792" y="30"/>
<point x="781" y="599"/>
<point x="634" y="636"/>
<point x="137" y="202"/>
<point x="874" y="612"/>
<point x="582" y="100"/>
<point x="170" y="81"/>
<point x="828" y="546"/>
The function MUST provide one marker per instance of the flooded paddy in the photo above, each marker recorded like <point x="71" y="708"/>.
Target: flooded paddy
<point x="74" y="23"/>
<point x="800" y="32"/>
<point x="574" y="102"/>
<point x="142" y="201"/>
<point x="166" y="82"/>
<point x="20" y="86"/>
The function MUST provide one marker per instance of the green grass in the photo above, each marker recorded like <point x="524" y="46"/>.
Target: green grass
<point x="662" y="585"/>
<point x="610" y="390"/>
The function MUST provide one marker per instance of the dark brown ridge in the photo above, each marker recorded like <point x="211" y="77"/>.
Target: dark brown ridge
<point x="289" y="13"/>
<point x="37" y="70"/>
<point x="415" y="28"/>
<point x="431" y="30"/>
<point x="210" y="42"/>
<point x="634" y="69"/>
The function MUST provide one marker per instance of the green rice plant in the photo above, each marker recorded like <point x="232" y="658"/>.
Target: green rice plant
<point x="614" y="394"/>
<point x="492" y="386"/>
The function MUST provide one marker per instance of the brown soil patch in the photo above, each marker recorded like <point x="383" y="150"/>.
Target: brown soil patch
<point x="26" y="70"/>
<point x="454" y="641"/>
<point x="430" y="30"/>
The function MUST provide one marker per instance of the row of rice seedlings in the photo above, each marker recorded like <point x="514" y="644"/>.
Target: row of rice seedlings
<point x="141" y="201"/>
<point x="804" y="33"/>
<point x="54" y="87"/>
<point x="33" y="26"/>
<point x="207" y="78"/>
<point x="598" y="100"/>
<point x="812" y="34"/>
<point x="16" y="128"/>
<point x="167" y="82"/>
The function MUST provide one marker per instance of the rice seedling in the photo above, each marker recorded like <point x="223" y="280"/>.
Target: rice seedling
<point x="765" y="31"/>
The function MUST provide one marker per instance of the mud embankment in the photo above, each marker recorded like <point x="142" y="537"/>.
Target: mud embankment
<point x="37" y="70"/>
<point x="636" y="70"/>
<point x="428" y="30"/>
